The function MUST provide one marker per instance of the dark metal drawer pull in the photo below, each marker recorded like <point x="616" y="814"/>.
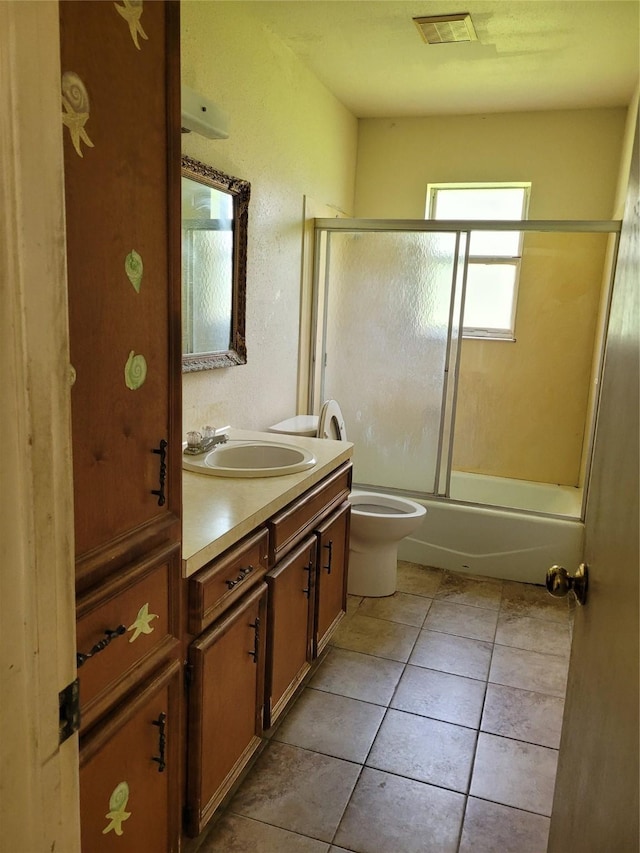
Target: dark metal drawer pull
<point x="162" y="451"/>
<point x="330" y="547"/>
<point x="82" y="657"/>
<point x="256" y="639"/>
<point x="241" y="576"/>
<point x="161" y="723"/>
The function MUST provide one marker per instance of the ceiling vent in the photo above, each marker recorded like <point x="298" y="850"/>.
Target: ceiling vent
<point x="444" y="29"/>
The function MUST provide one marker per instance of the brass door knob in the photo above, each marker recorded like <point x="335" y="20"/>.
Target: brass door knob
<point x="560" y="582"/>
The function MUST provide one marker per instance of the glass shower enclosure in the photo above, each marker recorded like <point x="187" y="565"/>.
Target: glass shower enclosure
<point x="434" y="413"/>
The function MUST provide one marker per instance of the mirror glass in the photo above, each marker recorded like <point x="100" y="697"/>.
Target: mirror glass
<point x="215" y="210"/>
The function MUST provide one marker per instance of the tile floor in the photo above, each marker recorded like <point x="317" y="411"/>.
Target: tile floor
<point x="432" y="724"/>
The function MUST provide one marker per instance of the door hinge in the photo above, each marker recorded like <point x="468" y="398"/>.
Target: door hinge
<point x="69" y="704"/>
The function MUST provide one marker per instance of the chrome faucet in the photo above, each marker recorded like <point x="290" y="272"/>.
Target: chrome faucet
<point x="201" y="442"/>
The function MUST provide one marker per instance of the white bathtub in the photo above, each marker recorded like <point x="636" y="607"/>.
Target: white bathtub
<point x="502" y="543"/>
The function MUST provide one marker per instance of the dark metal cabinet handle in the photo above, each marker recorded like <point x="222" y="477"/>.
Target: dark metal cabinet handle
<point x="82" y="657"/>
<point x="307" y="589"/>
<point x="243" y="574"/>
<point x="256" y="639"/>
<point x="329" y="545"/>
<point x="162" y="451"/>
<point x="161" y="723"/>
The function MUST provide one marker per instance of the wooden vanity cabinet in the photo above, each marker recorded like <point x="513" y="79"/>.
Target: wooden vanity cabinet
<point x="257" y="615"/>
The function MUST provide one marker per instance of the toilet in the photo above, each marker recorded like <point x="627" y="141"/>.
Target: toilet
<point x="378" y="521"/>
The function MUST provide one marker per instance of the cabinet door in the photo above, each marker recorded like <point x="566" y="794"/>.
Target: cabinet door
<point x="225" y="704"/>
<point x="331" y="584"/>
<point x="290" y="620"/>
<point x="120" y="124"/>
<point x="130" y="775"/>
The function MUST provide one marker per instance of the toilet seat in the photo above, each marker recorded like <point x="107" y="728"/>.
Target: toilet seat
<point x="331" y="422"/>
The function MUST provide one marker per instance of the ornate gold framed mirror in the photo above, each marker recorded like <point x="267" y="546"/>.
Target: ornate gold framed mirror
<point x="215" y="213"/>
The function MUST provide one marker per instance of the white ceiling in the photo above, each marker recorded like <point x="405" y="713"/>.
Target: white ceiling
<point x="530" y="54"/>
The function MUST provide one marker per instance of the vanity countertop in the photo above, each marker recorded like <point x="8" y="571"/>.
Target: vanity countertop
<point x="218" y="511"/>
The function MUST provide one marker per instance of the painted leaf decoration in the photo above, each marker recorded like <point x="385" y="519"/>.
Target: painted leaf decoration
<point x="135" y="371"/>
<point x="133" y="267"/>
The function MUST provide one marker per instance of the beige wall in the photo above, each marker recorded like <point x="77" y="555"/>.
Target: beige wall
<point x="290" y="138"/>
<point x="519" y="415"/>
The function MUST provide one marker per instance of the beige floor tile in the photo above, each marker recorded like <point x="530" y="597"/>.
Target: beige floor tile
<point x="535" y="635"/>
<point x="376" y="637"/>
<point x="492" y="828"/>
<point x="400" y="607"/>
<point x="440" y="695"/>
<point x="417" y="579"/>
<point x="477" y="623"/>
<point x="331" y="724"/>
<point x="470" y="589"/>
<point x="424" y="749"/>
<point x="457" y="655"/>
<point x="235" y="834"/>
<point x="297" y="790"/>
<point x="523" y="715"/>
<point x="527" y="599"/>
<point x="353" y="603"/>
<point x="358" y="676"/>
<point x="514" y="773"/>
<point x="388" y="814"/>
<point x="529" y="670"/>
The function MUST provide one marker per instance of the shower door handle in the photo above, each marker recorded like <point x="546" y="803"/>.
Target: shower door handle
<point x="559" y="582"/>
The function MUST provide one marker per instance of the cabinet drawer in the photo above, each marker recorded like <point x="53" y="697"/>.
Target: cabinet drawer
<point x="125" y="628"/>
<point x="289" y="526"/>
<point x="228" y="577"/>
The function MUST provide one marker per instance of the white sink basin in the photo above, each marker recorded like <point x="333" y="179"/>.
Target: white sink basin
<point x="251" y="459"/>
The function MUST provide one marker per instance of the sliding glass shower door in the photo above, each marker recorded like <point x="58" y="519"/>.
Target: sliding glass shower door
<point x="387" y="345"/>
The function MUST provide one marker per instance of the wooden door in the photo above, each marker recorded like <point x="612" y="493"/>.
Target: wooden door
<point x="226" y="664"/>
<point x="130" y="796"/>
<point x="121" y="128"/>
<point x="595" y="806"/>
<point x="290" y="620"/>
<point x="331" y="586"/>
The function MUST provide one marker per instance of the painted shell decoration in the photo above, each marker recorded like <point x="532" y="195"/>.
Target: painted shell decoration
<point x="117" y="805"/>
<point x="75" y="100"/>
<point x="119" y="797"/>
<point x="133" y="267"/>
<point x="135" y="371"/>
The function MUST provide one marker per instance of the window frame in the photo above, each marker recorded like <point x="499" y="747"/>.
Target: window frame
<point x="488" y="332"/>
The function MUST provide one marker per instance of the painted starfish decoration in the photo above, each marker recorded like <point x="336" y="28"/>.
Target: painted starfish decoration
<point x="131" y="11"/>
<point x="76" y="122"/>
<point x="141" y="625"/>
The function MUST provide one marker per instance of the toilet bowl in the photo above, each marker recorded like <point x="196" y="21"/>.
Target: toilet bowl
<point x="378" y="521"/>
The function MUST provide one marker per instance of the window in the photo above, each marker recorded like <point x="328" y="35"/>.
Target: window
<point x="494" y="256"/>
